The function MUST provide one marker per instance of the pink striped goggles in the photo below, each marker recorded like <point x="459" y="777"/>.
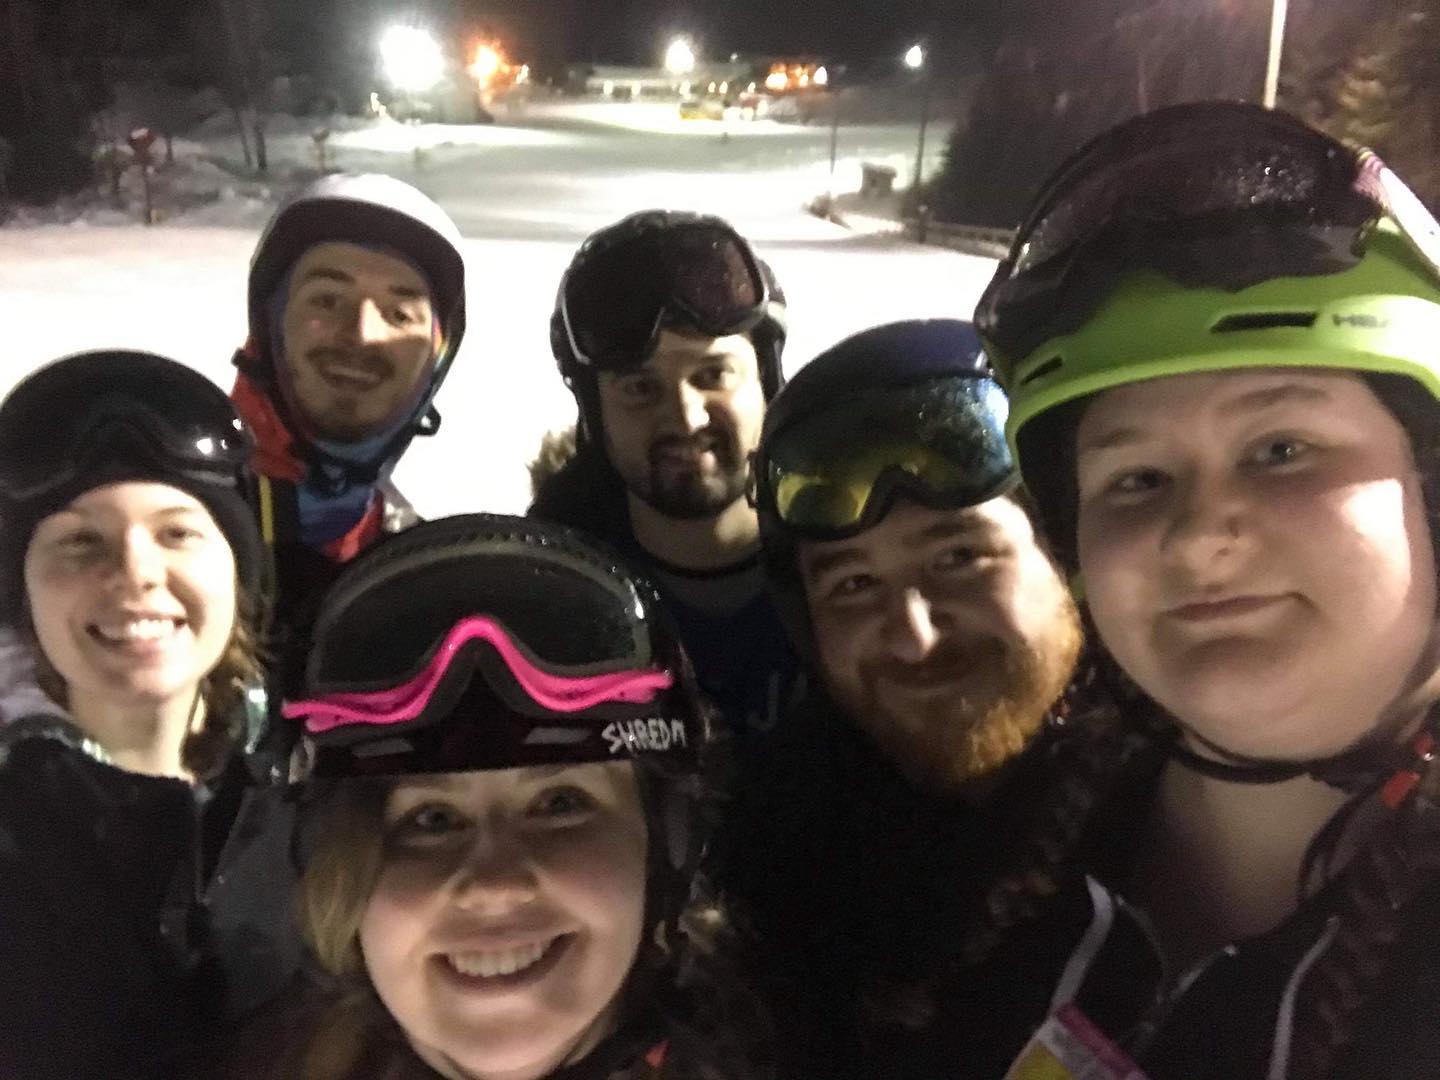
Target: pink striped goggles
<point x="546" y="692"/>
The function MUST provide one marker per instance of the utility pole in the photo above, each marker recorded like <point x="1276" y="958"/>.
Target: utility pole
<point x="1272" y="63"/>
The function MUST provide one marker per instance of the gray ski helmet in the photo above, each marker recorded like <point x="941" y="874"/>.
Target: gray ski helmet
<point x="365" y="208"/>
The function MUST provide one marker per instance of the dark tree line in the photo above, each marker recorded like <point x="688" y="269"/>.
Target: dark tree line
<point x="1367" y="71"/>
<point x="61" y="59"/>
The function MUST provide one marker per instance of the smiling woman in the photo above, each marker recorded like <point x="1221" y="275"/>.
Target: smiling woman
<point x="129" y="570"/>
<point x="502" y="761"/>
<point x="1219" y="329"/>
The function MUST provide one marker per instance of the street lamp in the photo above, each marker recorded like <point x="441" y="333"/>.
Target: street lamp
<point x="680" y="57"/>
<point x="915" y="61"/>
<point x="1272" y="62"/>
<point x="412" y="58"/>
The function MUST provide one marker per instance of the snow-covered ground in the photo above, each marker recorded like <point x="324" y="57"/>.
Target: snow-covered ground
<point x="524" y="195"/>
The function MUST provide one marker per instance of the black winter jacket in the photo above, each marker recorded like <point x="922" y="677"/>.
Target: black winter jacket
<point x="138" y="915"/>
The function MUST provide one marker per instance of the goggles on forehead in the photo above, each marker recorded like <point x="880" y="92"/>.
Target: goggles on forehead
<point x="1212" y="194"/>
<point x="488" y="650"/>
<point x="75" y="414"/>
<point x="838" y="471"/>
<point x="530" y="688"/>
<point x="626" y="283"/>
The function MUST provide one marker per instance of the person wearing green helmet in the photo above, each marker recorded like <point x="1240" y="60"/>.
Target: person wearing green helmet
<point x="1218" y="329"/>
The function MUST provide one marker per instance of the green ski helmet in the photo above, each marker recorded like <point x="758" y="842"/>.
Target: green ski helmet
<point x="1204" y="237"/>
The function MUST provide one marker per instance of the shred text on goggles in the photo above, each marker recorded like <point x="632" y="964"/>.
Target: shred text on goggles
<point x="482" y="642"/>
<point x="615" y="298"/>
<point x="71" y="415"/>
<point x="549" y="690"/>
<point x="838" y="470"/>
<point x="1213" y="194"/>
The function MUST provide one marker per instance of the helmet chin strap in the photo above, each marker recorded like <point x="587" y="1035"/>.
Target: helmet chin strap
<point x="1376" y="756"/>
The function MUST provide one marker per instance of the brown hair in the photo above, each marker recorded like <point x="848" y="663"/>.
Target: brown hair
<point x="222" y="691"/>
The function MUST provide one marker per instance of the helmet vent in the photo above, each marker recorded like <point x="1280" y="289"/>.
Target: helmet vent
<point x="1270" y="320"/>
<point x="1049" y="367"/>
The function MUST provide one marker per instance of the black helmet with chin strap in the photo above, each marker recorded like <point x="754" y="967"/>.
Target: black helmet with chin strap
<point x="367" y="209"/>
<point x="650" y="271"/>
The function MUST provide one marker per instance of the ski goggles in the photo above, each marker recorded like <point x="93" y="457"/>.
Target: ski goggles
<point x="477" y="650"/>
<point x="67" y="418"/>
<point x="1214" y="194"/>
<point x="627" y="281"/>
<point x="837" y="471"/>
<point x="540" y="691"/>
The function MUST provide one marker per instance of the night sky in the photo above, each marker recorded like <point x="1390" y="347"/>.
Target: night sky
<point x="854" y="31"/>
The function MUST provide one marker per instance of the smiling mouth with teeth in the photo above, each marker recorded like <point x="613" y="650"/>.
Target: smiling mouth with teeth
<point x="136" y="631"/>
<point x="499" y="963"/>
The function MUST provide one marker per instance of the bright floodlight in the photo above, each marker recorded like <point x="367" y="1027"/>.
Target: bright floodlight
<point x="680" y="57"/>
<point x="822" y="77"/>
<point x="915" y="57"/>
<point x="486" y="64"/>
<point x="412" y="58"/>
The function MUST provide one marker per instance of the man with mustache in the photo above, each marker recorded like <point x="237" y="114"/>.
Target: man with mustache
<point x="875" y="847"/>
<point x="668" y="330"/>
<point x="356" y="311"/>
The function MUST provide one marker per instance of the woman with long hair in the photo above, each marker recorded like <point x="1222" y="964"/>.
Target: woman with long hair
<point x="142" y="880"/>
<point x="1218" y="328"/>
<point x="504" y="802"/>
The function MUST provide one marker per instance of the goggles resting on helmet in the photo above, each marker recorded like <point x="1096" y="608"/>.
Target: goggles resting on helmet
<point x="1212" y="194"/>
<point x="463" y="645"/>
<point x="838" y="470"/>
<point x="69" y="417"/>
<point x="629" y="281"/>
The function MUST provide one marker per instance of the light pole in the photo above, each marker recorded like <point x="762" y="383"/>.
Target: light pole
<point x="915" y="61"/>
<point x="1272" y="63"/>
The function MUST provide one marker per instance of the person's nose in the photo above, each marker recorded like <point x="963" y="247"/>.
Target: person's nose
<point x="912" y="627"/>
<point x="496" y="875"/>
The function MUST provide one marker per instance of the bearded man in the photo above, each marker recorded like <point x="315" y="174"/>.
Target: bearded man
<point x="880" y="829"/>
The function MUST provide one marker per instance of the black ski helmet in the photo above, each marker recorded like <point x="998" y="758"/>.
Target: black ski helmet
<point x="768" y="334"/>
<point x="568" y="608"/>
<point x="114" y="415"/>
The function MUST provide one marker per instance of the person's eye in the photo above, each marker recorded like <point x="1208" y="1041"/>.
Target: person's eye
<point x="79" y="542"/>
<point x="324" y="301"/>
<point x="714" y="377"/>
<point x="178" y="534"/>
<point x="851" y="587"/>
<point x="1278" y="451"/>
<point x="639" y="391"/>
<point x="960" y="557"/>
<point x="428" y="822"/>
<point x="1135" y="484"/>
<point x="561" y="803"/>
<point x="403" y="317"/>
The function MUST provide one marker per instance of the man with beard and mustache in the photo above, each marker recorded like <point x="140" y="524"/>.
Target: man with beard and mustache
<point x="356" y="311"/>
<point x="668" y="330"/>
<point x="907" y="845"/>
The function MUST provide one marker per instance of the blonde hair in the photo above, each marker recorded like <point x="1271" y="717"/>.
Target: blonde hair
<point x="342" y="870"/>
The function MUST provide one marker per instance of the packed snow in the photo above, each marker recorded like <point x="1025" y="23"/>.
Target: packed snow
<point x="524" y="191"/>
